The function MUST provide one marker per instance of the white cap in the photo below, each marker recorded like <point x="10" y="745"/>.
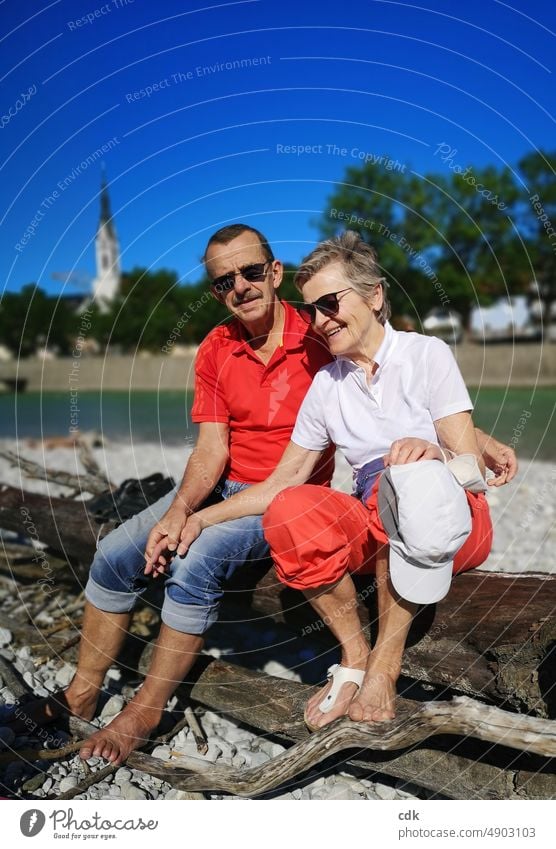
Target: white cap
<point x="426" y="516"/>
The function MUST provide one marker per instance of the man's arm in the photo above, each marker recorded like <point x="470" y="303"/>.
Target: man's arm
<point x="499" y="458"/>
<point x="203" y="471"/>
<point x="294" y="468"/>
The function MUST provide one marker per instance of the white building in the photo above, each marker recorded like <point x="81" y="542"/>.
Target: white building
<point x="107" y="281"/>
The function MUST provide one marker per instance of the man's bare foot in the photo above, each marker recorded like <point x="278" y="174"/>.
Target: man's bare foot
<point x="39" y="712"/>
<point x="315" y="717"/>
<point x="376" y="699"/>
<point x="127" y="732"/>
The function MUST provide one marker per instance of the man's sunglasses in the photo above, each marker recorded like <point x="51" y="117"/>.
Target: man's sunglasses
<point x="327" y="305"/>
<point x="253" y="273"/>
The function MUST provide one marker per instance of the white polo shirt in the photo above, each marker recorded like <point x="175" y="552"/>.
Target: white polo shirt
<point x="417" y="382"/>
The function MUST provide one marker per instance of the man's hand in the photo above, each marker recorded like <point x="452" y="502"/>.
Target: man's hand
<point x="411" y="449"/>
<point x="161" y="554"/>
<point x="500" y="459"/>
<point x="165" y="536"/>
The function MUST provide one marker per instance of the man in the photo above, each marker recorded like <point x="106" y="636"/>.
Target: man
<point x="251" y="376"/>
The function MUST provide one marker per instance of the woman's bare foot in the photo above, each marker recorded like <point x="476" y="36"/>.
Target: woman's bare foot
<point x="39" y="712"/>
<point x="376" y="699"/>
<point x="127" y="732"/>
<point x="316" y="718"/>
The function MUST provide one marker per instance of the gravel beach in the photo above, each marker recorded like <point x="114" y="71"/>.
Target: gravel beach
<point x="524" y="541"/>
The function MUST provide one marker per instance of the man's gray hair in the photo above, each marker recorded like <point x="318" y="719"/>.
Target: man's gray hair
<point x="360" y="264"/>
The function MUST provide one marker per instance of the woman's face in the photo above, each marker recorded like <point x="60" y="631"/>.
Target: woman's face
<point x="354" y="327"/>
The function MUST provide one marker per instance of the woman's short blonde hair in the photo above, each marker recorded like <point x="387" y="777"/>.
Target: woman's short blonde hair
<point x="360" y="264"/>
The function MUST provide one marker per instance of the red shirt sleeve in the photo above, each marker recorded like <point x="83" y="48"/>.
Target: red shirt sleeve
<point x="209" y="403"/>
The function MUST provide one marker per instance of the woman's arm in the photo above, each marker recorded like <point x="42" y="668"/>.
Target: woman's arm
<point x="457" y="434"/>
<point x="294" y="468"/>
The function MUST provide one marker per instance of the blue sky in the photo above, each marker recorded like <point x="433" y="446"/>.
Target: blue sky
<point x="208" y="144"/>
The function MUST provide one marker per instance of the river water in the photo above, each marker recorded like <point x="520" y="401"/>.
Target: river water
<point x="523" y="415"/>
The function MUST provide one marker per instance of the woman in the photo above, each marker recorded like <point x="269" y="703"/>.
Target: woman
<point x="392" y="401"/>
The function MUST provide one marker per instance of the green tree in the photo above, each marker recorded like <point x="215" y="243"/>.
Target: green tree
<point x="538" y="220"/>
<point x="30" y="319"/>
<point x="441" y="239"/>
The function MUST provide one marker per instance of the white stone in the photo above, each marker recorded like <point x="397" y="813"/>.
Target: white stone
<point x="280" y="671"/>
<point x="253" y="759"/>
<point x="228" y="749"/>
<point x="129" y="791"/>
<point x="112" y="708"/>
<point x="114" y="674"/>
<point x="162" y="752"/>
<point x="5" y="637"/>
<point x="271" y="749"/>
<point x="68" y="783"/>
<point x="383" y="791"/>
<point x="189" y="749"/>
<point x="122" y="774"/>
<point x="8" y="696"/>
<point x="64" y="675"/>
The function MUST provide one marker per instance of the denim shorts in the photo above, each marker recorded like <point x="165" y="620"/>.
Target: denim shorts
<point x="195" y="583"/>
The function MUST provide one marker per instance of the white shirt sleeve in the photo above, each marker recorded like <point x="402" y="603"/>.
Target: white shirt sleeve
<point x="310" y="429"/>
<point x="446" y="388"/>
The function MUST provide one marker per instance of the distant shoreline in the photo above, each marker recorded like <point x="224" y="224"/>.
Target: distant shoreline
<point x="482" y="365"/>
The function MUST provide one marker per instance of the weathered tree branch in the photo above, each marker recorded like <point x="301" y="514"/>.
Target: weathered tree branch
<point x="80" y="483"/>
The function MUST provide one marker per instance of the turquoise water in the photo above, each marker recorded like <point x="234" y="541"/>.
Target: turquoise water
<point x="527" y="415"/>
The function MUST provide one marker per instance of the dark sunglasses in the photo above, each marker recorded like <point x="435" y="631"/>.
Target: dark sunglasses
<point x="253" y="273"/>
<point x="327" y="305"/>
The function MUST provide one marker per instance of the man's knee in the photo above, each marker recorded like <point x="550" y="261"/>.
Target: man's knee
<point x="118" y="561"/>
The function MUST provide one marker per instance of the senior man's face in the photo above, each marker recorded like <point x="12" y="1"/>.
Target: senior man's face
<point x="251" y="300"/>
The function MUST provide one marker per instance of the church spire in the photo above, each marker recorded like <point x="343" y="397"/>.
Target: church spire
<point x="107" y="282"/>
<point x="105" y="213"/>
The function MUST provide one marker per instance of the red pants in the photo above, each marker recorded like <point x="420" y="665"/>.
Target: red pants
<point x="317" y="534"/>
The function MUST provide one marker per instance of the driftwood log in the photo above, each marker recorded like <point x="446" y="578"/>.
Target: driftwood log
<point x="453" y="765"/>
<point x="434" y="744"/>
<point x="492" y="637"/>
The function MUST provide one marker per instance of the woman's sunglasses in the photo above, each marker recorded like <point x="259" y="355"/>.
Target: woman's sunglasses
<point x="327" y="305"/>
<point x="253" y="273"/>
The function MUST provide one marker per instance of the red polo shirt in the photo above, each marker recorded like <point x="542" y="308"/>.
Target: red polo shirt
<point x="258" y="402"/>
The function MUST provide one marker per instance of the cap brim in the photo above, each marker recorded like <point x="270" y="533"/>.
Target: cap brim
<point x="419" y="584"/>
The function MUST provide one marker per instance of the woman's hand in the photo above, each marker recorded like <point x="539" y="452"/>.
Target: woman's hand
<point x="499" y="458"/>
<point x="410" y="450"/>
<point x="164" y="550"/>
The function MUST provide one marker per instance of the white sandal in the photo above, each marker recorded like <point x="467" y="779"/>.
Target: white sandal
<point x="339" y="675"/>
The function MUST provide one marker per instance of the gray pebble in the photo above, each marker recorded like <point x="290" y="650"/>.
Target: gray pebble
<point x="5" y="637"/>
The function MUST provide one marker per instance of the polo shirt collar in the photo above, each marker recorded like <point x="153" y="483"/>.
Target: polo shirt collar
<point x="293" y="334"/>
<point x="385" y="347"/>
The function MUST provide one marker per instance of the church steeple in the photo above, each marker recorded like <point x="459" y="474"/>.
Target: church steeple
<point x="107" y="281"/>
<point x="105" y="213"/>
